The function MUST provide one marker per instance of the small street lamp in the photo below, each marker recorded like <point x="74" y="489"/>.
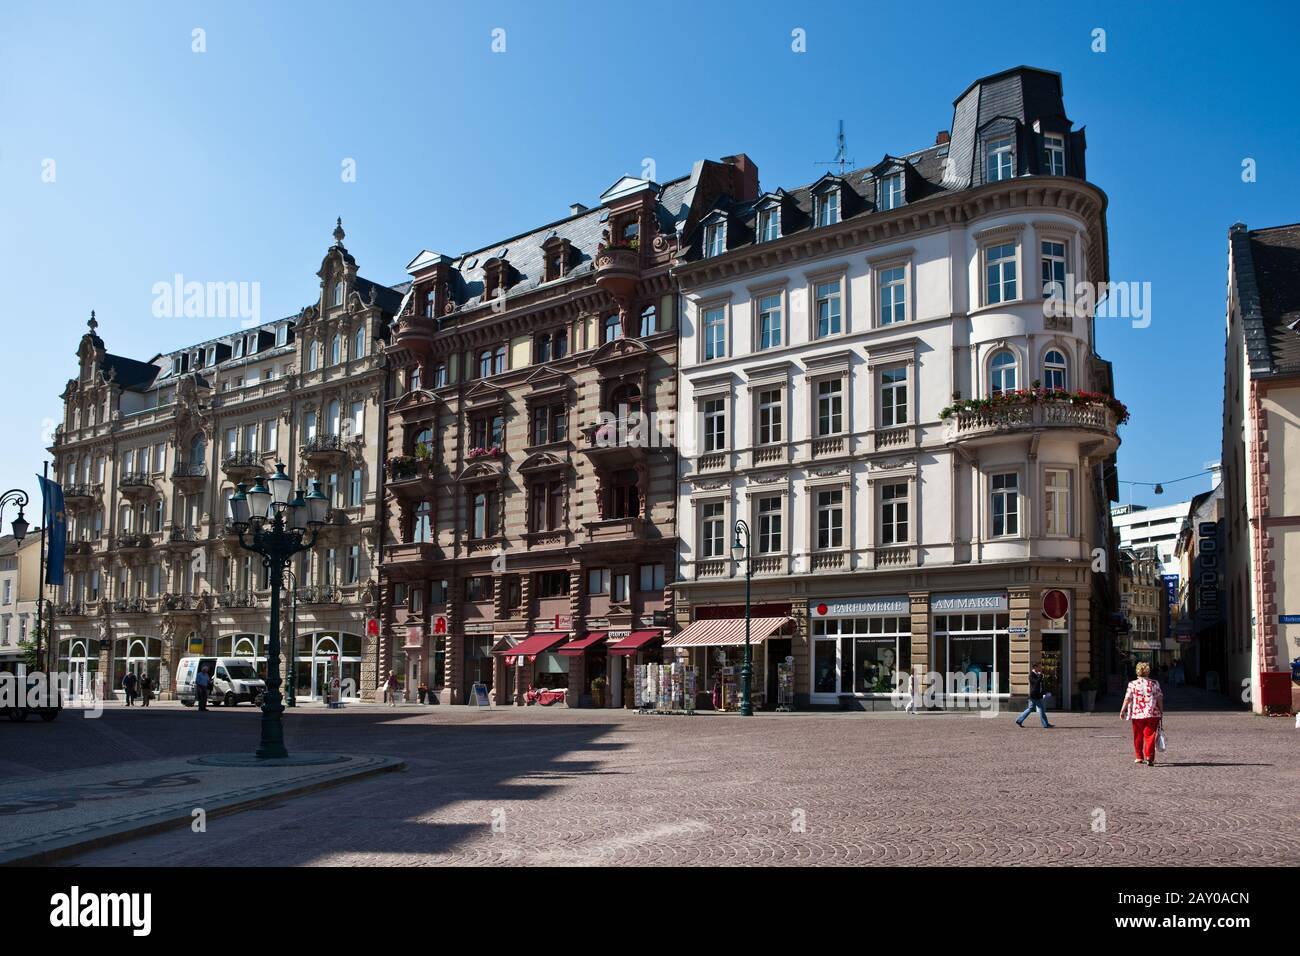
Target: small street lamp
<point x="20" y="524"/>
<point x="740" y="552"/>
<point x="276" y="525"/>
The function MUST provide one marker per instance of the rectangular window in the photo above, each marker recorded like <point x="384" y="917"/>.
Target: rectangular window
<point x="893" y="295"/>
<point x="353" y="573"/>
<point x="549" y="424"/>
<point x="828" y="208"/>
<point x="652" y="578"/>
<point x="488" y="432"/>
<point x="891" y="191"/>
<point x="830" y="519"/>
<point x="770" y="332"/>
<point x="1056" y="501"/>
<point x="619" y="588"/>
<point x="250" y="437"/>
<point x="356" y="488"/>
<point x="270" y="434"/>
<point x="552" y="584"/>
<point x="893" y="513"/>
<point x="830" y="407"/>
<point x="1054" y="155"/>
<point x="715" y="424"/>
<point x="1000" y="273"/>
<point x="715" y="332"/>
<point x="1053" y="258"/>
<point x="769" y="225"/>
<point x="715" y="239"/>
<point x="893" y="397"/>
<point x="999" y="159"/>
<point x="1005" y="504"/>
<point x="479" y="588"/>
<point x="769" y="525"/>
<point x="769" y="417"/>
<point x="712" y="532"/>
<point x="483" y="514"/>
<point x="598" y="581"/>
<point x="827" y="306"/>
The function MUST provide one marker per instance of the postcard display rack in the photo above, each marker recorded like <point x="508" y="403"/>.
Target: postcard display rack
<point x="664" y="688"/>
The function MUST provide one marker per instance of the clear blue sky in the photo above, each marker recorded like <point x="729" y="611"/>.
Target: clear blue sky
<point x="225" y="165"/>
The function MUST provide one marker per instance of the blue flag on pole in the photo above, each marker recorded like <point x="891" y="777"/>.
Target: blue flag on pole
<point x="56" y="529"/>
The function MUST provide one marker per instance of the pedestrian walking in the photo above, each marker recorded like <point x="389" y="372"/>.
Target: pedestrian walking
<point x="146" y="690"/>
<point x="390" y="690"/>
<point x="913" y="692"/>
<point x="1036" y="698"/>
<point x="129" y="687"/>
<point x="202" y="684"/>
<point x="1144" y="705"/>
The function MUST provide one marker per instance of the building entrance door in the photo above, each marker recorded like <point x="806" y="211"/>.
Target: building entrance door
<point x="1054" y="663"/>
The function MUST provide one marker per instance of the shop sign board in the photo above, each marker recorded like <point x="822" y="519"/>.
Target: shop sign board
<point x="1056" y="604"/>
<point x="862" y="607"/>
<point x="1289" y="618"/>
<point x="414" y="636"/>
<point x="951" y="603"/>
<point x="479" y="696"/>
<point x="440" y="624"/>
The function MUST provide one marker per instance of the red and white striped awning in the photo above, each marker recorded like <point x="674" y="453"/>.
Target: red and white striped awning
<point x="726" y="632"/>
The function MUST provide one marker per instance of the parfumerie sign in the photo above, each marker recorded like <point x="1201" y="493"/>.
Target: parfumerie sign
<point x="861" y="607"/>
<point x="951" y="603"/>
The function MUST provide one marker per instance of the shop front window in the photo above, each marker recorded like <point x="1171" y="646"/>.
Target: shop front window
<point x="865" y="656"/>
<point x="973" y="653"/>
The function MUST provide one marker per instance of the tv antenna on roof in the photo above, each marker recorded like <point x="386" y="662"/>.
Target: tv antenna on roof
<point x="841" y="149"/>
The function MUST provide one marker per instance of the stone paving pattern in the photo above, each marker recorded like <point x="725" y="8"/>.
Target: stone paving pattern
<point x="545" y="786"/>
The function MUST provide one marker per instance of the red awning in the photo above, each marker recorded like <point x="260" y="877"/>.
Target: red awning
<point x="636" y="641"/>
<point x="726" y="632"/>
<point x="534" y="644"/>
<point x="576" y="648"/>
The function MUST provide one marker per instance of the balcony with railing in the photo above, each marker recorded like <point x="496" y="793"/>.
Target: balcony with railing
<point x="981" y="423"/>
<point x="238" y="599"/>
<point x="132" y="541"/>
<point x="412" y="477"/>
<point x="136" y="483"/>
<point x="135" y="605"/>
<point x="189" y="476"/>
<point x="181" y="539"/>
<point x="242" y="466"/>
<point x="77" y="495"/>
<point x="618" y="269"/>
<point x="172" y="604"/>
<point x="323" y="450"/>
<point x="319" y="594"/>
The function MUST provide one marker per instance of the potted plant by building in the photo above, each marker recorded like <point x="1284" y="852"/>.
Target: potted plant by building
<point x="1089" y="694"/>
<point x="598" y="692"/>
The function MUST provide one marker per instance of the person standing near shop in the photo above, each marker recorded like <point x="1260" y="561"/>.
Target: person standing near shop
<point x="128" y="687"/>
<point x="1144" y="704"/>
<point x="1036" y="698"/>
<point x="202" y="684"/>
<point x="146" y="690"/>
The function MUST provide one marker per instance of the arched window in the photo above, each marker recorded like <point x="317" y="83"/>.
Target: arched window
<point x="336" y="349"/>
<point x="423" y="437"/>
<point x="422" y="525"/>
<point x="198" y="451"/>
<point x="359" y="342"/>
<point x="338" y="293"/>
<point x="613" y="328"/>
<point x="625" y="400"/>
<point x="309" y="425"/>
<point x="332" y="417"/>
<point x="1055" y="370"/>
<point x="485" y="363"/>
<point x="649" y="320"/>
<point x="1002" y="372"/>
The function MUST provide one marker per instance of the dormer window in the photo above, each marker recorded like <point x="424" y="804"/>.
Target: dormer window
<point x="828" y="208"/>
<point x="429" y="303"/>
<point x="631" y="233"/>
<point x="1054" y="154"/>
<point x="338" y="293"/>
<point x="769" y="224"/>
<point x="239" y="348"/>
<point x="556" y="251"/>
<point x="496" y="278"/>
<point x="715" y="239"/>
<point x="999" y="159"/>
<point x="281" y="336"/>
<point x="891" y="191"/>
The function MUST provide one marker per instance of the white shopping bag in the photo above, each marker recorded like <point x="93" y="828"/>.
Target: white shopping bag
<point x="1160" y="739"/>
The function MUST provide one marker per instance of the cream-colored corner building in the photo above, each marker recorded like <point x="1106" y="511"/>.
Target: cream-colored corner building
<point x="1261" y="460"/>
<point x="148" y="453"/>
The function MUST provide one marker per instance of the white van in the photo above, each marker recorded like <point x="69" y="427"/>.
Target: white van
<point x="234" y="679"/>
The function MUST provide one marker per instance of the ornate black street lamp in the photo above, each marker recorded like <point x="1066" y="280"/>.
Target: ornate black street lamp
<point x="277" y="526"/>
<point x="20" y="523"/>
<point x="740" y="552"/>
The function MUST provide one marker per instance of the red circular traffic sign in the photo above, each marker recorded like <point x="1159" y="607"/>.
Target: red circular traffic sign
<point x="1056" y="604"/>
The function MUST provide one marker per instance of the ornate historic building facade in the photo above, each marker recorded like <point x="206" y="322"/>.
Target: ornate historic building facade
<point x="886" y="375"/>
<point x="148" y="453"/>
<point x="530" y="533"/>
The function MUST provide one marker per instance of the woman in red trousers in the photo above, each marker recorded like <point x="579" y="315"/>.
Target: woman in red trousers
<point x="1144" y="703"/>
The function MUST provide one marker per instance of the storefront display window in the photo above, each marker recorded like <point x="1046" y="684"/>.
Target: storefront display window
<point x="551" y="671"/>
<point x="868" y="656"/>
<point x="973" y="653"/>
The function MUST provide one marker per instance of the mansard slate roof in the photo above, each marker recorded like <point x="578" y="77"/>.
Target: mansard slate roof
<point x="131" y="374"/>
<point x="1023" y="97"/>
<point x="1266" y="263"/>
<point x="527" y="259"/>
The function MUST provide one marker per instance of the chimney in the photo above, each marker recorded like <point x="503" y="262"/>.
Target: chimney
<point x="744" y="177"/>
<point x="575" y="208"/>
<point x="943" y="138"/>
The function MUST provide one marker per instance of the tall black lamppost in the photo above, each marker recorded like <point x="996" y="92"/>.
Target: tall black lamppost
<point x="740" y="552"/>
<point x="277" y="526"/>
<point x="291" y="670"/>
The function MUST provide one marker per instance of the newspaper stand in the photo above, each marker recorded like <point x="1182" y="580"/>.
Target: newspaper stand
<point x="785" y="685"/>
